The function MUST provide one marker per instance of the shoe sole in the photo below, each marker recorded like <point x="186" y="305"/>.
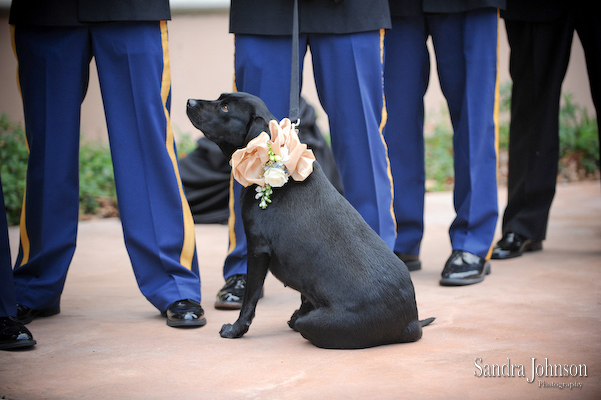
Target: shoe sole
<point x="414" y="265"/>
<point x="530" y="247"/>
<point x="465" y="282"/>
<point x="18" y="344"/>
<point x="48" y="312"/>
<point x="232" y="305"/>
<point x="412" y="262"/>
<point x="227" y="305"/>
<point x="187" y="323"/>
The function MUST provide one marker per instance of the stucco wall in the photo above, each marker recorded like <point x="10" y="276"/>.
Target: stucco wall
<point x="202" y="51"/>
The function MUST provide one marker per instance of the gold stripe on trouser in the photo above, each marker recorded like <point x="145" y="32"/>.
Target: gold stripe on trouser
<point x="232" y="219"/>
<point x="381" y="128"/>
<point x="187" y="254"/>
<point x="25" y="245"/>
<point x="496" y="120"/>
<point x="231" y="222"/>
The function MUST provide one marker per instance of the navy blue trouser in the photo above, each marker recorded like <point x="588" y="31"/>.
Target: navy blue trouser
<point x="8" y="301"/>
<point x="348" y="73"/>
<point x="133" y="68"/>
<point x="466" y="56"/>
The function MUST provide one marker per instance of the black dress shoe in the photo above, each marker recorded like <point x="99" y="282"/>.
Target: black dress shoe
<point x="514" y="245"/>
<point x="25" y="314"/>
<point x="464" y="268"/>
<point x="231" y="295"/>
<point x="14" y="335"/>
<point x="411" y="261"/>
<point x="185" y="313"/>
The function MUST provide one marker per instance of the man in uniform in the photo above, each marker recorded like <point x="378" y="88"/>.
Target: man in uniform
<point x="345" y="40"/>
<point x="55" y="41"/>
<point x="540" y="35"/>
<point x="464" y="35"/>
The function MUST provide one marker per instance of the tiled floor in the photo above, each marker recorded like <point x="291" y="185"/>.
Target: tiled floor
<point x="110" y="343"/>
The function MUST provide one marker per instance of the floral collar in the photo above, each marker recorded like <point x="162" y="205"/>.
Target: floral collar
<point x="268" y="162"/>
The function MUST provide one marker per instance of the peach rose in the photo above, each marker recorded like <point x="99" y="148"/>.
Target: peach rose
<point x="249" y="164"/>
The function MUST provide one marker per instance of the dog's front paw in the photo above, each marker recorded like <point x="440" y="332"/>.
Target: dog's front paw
<point x="232" y="331"/>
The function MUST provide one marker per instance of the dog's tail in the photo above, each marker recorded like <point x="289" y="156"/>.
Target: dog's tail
<point x="426" y="322"/>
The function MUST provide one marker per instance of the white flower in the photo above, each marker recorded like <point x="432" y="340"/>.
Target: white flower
<point x="285" y="153"/>
<point x="269" y="163"/>
<point x="275" y="177"/>
<point x="263" y="193"/>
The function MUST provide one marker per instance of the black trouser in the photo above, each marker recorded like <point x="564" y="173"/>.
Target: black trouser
<point x="540" y="53"/>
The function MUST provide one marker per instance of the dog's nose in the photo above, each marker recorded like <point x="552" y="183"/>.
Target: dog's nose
<point x="192" y="102"/>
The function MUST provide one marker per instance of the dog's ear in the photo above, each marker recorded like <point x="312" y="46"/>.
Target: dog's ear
<point x="256" y="125"/>
<point x="259" y="122"/>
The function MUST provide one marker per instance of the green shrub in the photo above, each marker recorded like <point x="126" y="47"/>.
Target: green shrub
<point x="96" y="181"/>
<point x="579" y="157"/>
<point x="439" y="156"/>
<point x="97" y="187"/>
<point x="579" y="148"/>
<point x="504" y="115"/>
<point x="13" y="167"/>
<point x="579" y="142"/>
<point x="184" y="143"/>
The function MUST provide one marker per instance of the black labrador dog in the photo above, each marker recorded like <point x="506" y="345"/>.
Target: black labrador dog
<point x="355" y="292"/>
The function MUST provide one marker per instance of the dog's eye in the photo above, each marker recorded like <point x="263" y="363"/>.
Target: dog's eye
<point x="224" y="108"/>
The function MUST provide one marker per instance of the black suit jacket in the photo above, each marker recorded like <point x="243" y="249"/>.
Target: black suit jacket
<point x="404" y="8"/>
<point x="535" y="10"/>
<point x="274" y="17"/>
<point x="82" y="12"/>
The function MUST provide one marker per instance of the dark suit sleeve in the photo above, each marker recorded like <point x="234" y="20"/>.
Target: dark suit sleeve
<point x="123" y="10"/>
<point x="406" y="8"/>
<point x="81" y="12"/>
<point x="43" y="13"/>
<point x="446" y="6"/>
<point x="535" y="10"/>
<point x="412" y="8"/>
<point x="274" y="17"/>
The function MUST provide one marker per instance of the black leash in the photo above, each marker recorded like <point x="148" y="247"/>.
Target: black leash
<point x="295" y="78"/>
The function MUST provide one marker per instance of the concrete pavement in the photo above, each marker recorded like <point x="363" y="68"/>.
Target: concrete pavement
<point x="108" y="342"/>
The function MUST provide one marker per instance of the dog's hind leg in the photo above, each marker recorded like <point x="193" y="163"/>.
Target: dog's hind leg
<point x="304" y="308"/>
<point x="335" y="329"/>
<point x="255" y="278"/>
<point x="346" y="329"/>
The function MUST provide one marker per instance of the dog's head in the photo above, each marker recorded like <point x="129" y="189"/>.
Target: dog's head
<point x="231" y="121"/>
